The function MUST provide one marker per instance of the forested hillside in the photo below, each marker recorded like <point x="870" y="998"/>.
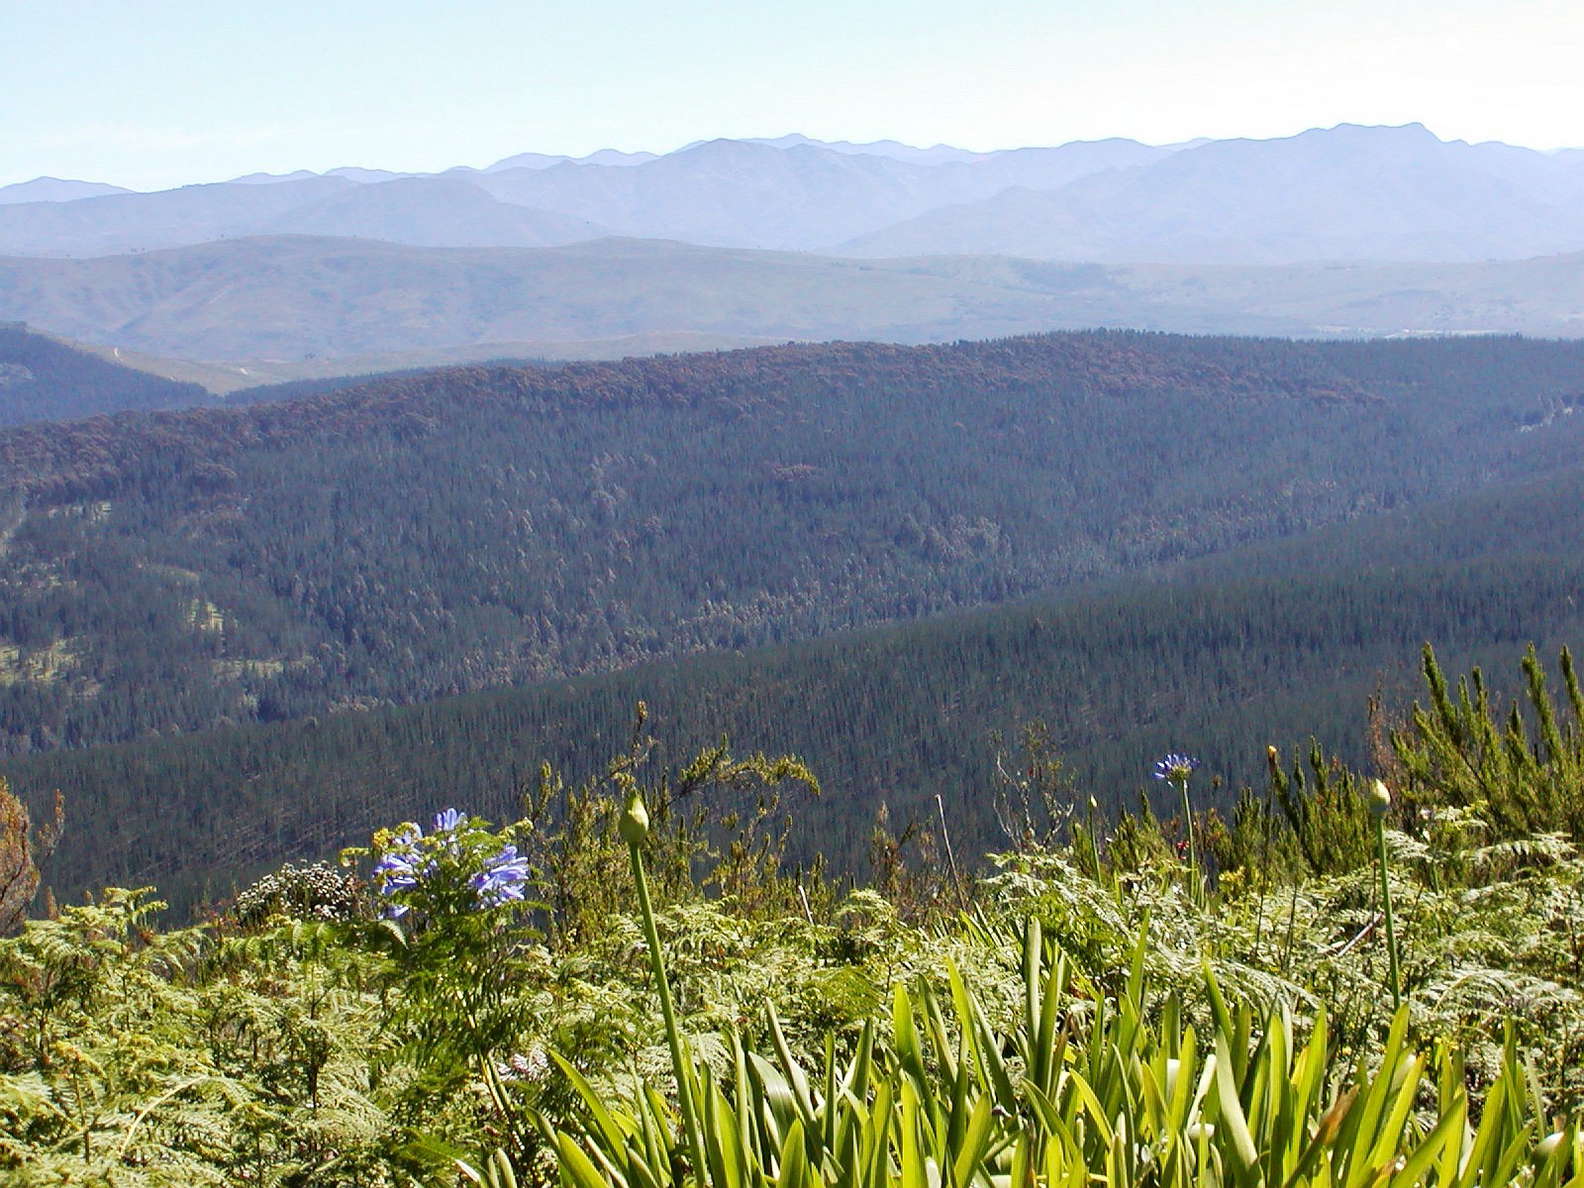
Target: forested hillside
<point x="45" y="380"/>
<point x="478" y="527"/>
<point x="1268" y="644"/>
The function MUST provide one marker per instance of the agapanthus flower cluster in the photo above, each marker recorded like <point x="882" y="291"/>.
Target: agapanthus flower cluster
<point x="409" y="859"/>
<point x="1175" y="768"/>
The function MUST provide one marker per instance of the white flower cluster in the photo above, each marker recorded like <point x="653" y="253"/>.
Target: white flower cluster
<point x="306" y="891"/>
<point x="532" y="1066"/>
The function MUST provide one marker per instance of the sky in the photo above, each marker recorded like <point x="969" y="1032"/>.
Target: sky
<point x="156" y="93"/>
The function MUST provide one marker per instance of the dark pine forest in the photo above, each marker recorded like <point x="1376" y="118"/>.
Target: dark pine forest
<point x="279" y="623"/>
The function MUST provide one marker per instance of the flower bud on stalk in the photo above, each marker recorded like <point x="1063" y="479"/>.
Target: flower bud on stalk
<point x="1379" y="798"/>
<point x="634" y="827"/>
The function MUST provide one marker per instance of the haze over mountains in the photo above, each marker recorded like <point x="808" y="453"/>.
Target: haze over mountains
<point x="1345" y="193"/>
<point x="1343" y="231"/>
<point x="786" y="194"/>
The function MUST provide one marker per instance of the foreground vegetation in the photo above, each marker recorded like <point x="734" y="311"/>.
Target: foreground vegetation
<point x="1345" y="981"/>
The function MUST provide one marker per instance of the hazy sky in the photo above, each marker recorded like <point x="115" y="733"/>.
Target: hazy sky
<point x="152" y="93"/>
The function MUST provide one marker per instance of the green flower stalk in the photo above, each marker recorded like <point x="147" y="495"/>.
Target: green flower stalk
<point x="1380" y="805"/>
<point x="1177" y="769"/>
<point x="1094" y="844"/>
<point x="634" y="830"/>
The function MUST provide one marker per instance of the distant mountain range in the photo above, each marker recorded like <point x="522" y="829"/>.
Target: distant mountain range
<point x="1337" y="232"/>
<point x="787" y="194"/>
<point x="1343" y="194"/>
<point x="287" y="308"/>
<point x="1347" y="193"/>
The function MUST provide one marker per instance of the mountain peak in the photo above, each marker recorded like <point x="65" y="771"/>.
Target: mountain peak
<point x="269" y="179"/>
<point x="604" y="156"/>
<point x="1348" y="135"/>
<point x="56" y="189"/>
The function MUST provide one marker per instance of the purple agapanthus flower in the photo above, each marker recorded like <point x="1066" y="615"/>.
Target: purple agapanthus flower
<point x="1175" y="767"/>
<point x="399" y="868"/>
<point x="410" y="858"/>
<point x="504" y="878"/>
